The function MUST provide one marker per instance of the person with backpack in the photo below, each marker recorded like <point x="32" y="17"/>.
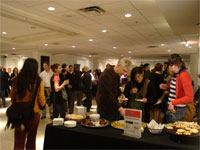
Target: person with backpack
<point x="22" y="91"/>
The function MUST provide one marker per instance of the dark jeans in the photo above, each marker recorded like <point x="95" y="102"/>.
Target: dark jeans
<point x="111" y="117"/>
<point x="28" y="135"/>
<point x="178" y="116"/>
<point x="88" y="101"/>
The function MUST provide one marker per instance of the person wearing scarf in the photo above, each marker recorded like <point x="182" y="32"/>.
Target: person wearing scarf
<point x="180" y="89"/>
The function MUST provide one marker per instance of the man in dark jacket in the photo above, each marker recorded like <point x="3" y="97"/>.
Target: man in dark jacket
<point x="108" y="91"/>
<point x="87" y="82"/>
<point x="76" y="89"/>
<point x="3" y="86"/>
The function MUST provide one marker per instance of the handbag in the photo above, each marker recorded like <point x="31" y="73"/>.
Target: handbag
<point x="21" y="112"/>
<point x="190" y="112"/>
<point x="64" y="94"/>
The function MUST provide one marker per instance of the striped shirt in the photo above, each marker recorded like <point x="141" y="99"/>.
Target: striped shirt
<point x="172" y="92"/>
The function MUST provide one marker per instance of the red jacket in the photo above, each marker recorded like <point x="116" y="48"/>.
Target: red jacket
<point x="184" y="91"/>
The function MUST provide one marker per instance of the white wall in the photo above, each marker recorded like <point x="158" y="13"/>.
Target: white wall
<point x="16" y="61"/>
<point x="194" y="68"/>
<point x="71" y="60"/>
<point x="12" y="62"/>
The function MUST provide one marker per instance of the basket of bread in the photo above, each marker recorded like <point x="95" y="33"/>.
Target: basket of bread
<point x="75" y="117"/>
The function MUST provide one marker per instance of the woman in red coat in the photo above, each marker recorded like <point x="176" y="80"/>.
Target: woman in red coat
<point x="180" y="89"/>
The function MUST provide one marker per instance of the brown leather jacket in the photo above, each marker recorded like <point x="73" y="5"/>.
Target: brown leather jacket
<point x="108" y="91"/>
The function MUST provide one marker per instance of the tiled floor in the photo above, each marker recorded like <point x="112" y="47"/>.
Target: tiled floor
<point x="7" y="136"/>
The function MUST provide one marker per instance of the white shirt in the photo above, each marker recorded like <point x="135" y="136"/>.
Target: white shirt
<point x="46" y="76"/>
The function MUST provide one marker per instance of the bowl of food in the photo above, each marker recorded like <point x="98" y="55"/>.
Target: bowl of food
<point x="94" y="117"/>
<point x="155" y="128"/>
<point x="155" y="131"/>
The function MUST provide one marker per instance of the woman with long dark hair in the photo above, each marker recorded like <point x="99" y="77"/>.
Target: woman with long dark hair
<point x="13" y="76"/>
<point x="157" y="78"/>
<point x="23" y="91"/>
<point x="141" y="89"/>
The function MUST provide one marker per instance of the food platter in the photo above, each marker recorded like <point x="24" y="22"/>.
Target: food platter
<point x="120" y="124"/>
<point x="75" y="117"/>
<point x="186" y="129"/>
<point x="89" y="123"/>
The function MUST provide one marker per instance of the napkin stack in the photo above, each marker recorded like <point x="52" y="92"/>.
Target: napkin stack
<point x="58" y="121"/>
<point x="70" y="124"/>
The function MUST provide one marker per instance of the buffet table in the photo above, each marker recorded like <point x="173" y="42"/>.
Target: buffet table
<point x="60" y="137"/>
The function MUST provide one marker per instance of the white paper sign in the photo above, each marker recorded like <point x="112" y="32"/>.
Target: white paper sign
<point x="132" y="123"/>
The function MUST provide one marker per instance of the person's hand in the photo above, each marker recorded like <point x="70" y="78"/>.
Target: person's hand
<point x="163" y="86"/>
<point x="144" y="100"/>
<point x="166" y="92"/>
<point x="134" y="91"/>
<point x="121" y="111"/>
<point x="171" y="108"/>
<point x="66" y="82"/>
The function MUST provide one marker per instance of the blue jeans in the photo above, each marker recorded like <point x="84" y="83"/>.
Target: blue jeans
<point x="2" y="95"/>
<point x="111" y="117"/>
<point x="178" y="116"/>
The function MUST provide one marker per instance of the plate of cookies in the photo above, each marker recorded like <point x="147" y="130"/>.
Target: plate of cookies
<point x="183" y="128"/>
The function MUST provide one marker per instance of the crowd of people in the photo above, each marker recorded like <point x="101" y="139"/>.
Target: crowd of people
<point x="161" y="94"/>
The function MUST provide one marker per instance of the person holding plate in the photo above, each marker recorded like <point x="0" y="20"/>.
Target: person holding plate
<point x="140" y="92"/>
<point x="180" y="90"/>
<point x="108" y="91"/>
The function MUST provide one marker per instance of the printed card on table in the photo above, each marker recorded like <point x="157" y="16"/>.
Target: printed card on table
<point x="132" y="123"/>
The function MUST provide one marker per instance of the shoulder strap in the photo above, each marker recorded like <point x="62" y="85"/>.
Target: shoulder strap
<point x="146" y="83"/>
<point x="35" y="92"/>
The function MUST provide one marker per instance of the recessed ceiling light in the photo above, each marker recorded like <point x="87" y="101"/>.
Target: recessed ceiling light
<point x="162" y="44"/>
<point x="90" y="40"/>
<point x="186" y="44"/>
<point x="90" y="56"/>
<point x="4" y="32"/>
<point x="13" y="48"/>
<point x="114" y="47"/>
<point x="104" y="30"/>
<point x="45" y="44"/>
<point x="127" y="15"/>
<point x="129" y="52"/>
<point x="51" y="8"/>
<point x="169" y="50"/>
<point x="73" y="46"/>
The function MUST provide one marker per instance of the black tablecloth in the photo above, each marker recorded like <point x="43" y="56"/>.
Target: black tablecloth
<point x="60" y="137"/>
